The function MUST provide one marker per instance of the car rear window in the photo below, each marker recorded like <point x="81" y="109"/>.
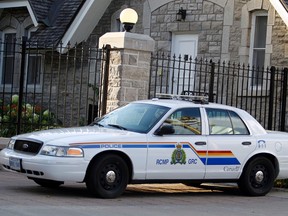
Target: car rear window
<point x="225" y="122"/>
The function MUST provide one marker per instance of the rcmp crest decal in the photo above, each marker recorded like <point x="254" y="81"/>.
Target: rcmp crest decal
<point x="178" y="155"/>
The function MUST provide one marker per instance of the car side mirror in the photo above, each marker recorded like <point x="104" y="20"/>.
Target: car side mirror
<point x="165" y="129"/>
<point x="95" y="120"/>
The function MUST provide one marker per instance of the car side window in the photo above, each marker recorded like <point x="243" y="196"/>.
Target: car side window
<point x="238" y="125"/>
<point x="225" y="122"/>
<point x="186" y="121"/>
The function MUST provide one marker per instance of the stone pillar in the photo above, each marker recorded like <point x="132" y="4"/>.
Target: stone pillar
<point x="129" y="68"/>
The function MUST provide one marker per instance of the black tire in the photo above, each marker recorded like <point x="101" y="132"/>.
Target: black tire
<point x="257" y="178"/>
<point x="108" y="176"/>
<point x="47" y="183"/>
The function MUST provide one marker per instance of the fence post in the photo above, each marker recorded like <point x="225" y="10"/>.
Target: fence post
<point x="107" y="49"/>
<point x="129" y="67"/>
<point x="271" y="98"/>
<point x="21" y="84"/>
<point x="211" y="83"/>
<point x="284" y="99"/>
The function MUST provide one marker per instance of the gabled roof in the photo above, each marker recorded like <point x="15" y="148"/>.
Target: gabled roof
<point x="19" y="3"/>
<point x="40" y="7"/>
<point x="281" y="6"/>
<point x="66" y="21"/>
<point x="55" y="18"/>
<point x="85" y="21"/>
<point x="285" y="3"/>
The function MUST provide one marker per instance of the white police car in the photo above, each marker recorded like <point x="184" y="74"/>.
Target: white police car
<point x="180" y="139"/>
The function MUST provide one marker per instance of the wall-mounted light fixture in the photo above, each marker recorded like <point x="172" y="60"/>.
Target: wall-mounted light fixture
<point x="128" y="17"/>
<point x="181" y="15"/>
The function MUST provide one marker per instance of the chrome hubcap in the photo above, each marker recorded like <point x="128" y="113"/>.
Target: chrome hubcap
<point x="110" y="176"/>
<point x="259" y="176"/>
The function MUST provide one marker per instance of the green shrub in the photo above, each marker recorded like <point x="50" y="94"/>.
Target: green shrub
<point x="283" y="183"/>
<point x="33" y="117"/>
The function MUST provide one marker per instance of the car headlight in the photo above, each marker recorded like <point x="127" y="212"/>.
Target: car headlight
<point x="62" y="151"/>
<point x="11" y="143"/>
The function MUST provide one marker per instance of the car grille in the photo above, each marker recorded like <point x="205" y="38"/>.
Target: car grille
<point x="28" y="146"/>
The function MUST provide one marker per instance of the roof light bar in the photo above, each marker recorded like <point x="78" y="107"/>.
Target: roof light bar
<point x="192" y="98"/>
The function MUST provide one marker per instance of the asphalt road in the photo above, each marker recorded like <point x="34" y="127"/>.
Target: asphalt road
<point x="20" y="196"/>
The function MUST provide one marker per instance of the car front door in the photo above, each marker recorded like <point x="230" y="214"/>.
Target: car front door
<point x="229" y="144"/>
<point x="178" y="155"/>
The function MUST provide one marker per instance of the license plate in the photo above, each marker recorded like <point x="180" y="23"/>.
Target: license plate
<point x="15" y="163"/>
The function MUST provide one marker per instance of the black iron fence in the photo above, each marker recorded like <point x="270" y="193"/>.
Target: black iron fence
<point x="43" y="87"/>
<point x="260" y="91"/>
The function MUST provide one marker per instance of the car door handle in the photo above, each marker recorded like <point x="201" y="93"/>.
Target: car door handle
<point x="246" y="143"/>
<point x="200" y="143"/>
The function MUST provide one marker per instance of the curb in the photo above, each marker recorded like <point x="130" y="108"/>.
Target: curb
<point x="3" y="142"/>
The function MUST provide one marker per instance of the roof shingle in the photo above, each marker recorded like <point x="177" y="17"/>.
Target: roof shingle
<point x="56" y="16"/>
<point x="285" y="3"/>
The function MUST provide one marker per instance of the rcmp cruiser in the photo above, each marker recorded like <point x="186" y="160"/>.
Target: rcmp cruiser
<point x="176" y="139"/>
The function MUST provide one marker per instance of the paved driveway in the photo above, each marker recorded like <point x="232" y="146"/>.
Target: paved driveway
<point x="20" y="196"/>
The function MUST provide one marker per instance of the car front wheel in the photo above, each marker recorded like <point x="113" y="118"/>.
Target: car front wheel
<point x="108" y="176"/>
<point x="258" y="177"/>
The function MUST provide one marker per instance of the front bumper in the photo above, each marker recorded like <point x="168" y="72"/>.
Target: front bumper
<point x="47" y="167"/>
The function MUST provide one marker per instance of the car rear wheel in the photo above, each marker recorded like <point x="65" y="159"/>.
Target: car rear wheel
<point x="258" y="177"/>
<point x="108" y="176"/>
<point x="47" y="183"/>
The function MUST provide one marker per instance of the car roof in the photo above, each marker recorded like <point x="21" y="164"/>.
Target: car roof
<point x="254" y="126"/>
<point x="175" y="103"/>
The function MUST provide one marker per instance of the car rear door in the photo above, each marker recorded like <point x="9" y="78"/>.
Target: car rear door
<point x="229" y="143"/>
<point x="178" y="155"/>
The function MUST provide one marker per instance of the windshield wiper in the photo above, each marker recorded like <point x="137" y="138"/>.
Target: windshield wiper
<point x="117" y="126"/>
<point x="96" y="123"/>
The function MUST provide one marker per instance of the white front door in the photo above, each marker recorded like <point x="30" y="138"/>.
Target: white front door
<point x="182" y="76"/>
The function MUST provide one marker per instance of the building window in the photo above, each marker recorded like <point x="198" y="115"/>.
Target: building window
<point x="119" y="25"/>
<point x="34" y="65"/>
<point x="116" y="25"/>
<point x="33" y="69"/>
<point x="7" y="57"/>
<point x="258" y="48"/>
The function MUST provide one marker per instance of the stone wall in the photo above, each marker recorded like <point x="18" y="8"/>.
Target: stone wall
<point x="280" y="43"/>
<point x="203" y="18"/>
<point x="223" y="26"/>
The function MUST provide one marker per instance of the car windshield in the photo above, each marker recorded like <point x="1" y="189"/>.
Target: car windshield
<point x="136" y="117"/>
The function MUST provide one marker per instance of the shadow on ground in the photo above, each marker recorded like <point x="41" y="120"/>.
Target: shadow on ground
<point x="137" y="190"/>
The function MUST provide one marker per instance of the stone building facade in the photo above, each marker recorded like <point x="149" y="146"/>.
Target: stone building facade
<point x="221" y="30"/>
<point x="223" y="27"/>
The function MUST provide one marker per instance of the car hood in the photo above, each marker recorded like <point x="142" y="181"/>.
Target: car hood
<point x="66" y="136"/>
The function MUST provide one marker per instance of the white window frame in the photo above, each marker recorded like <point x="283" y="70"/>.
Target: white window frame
<point x="116" y="25"/>
<point x="3" y="33"/>
<point x="251" y="51"/>
<point x="38" y="86"/>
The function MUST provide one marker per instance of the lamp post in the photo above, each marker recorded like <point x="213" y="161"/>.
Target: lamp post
<point x="128" y="17"/>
